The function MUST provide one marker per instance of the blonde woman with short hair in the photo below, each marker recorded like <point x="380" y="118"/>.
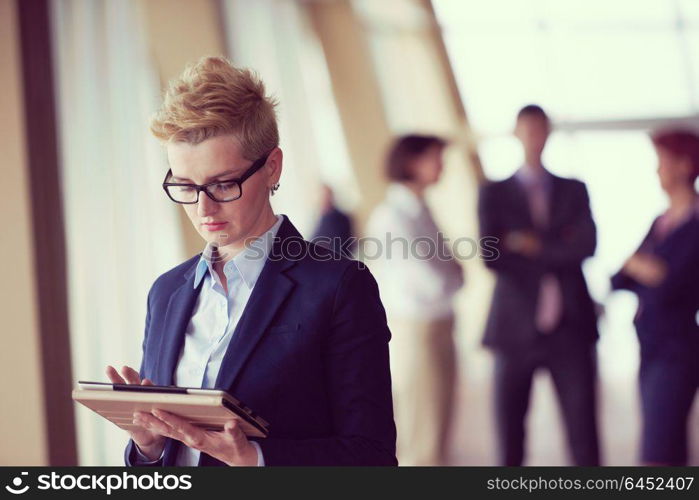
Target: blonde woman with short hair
<point x="294" y="330"/>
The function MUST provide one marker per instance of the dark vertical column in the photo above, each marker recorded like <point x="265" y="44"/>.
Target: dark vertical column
<point x="47" y="219"/>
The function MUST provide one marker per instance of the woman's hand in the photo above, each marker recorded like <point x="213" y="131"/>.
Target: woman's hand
<point x="230" y="445"/>
<point x="150" y="443"/>
<point x="646" y="269"/>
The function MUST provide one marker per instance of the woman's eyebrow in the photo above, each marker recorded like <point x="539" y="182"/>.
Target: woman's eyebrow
<point x="211" y="178"/>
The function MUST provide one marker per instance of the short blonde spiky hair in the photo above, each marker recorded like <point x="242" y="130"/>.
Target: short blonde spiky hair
<point x="212" y="98"/>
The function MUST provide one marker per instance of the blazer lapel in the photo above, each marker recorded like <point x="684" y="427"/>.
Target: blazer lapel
<point x="179" y="312"/>
<point x="557" y="198"/>
<point x="270" y="292"/>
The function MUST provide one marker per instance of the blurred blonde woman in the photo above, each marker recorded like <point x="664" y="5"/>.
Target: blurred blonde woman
<point x="418" y="278"/>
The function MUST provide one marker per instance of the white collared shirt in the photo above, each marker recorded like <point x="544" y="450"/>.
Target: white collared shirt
<point x="215" y="317"/>
<point x="413" y="287"/>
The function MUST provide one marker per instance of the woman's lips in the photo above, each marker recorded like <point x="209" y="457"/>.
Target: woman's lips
<point x="214" y="226"/>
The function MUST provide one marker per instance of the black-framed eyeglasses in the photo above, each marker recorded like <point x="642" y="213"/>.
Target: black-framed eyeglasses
<point x="219" y="191"/>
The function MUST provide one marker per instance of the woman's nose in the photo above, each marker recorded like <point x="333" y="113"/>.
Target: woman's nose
<point x="205" y="205"/>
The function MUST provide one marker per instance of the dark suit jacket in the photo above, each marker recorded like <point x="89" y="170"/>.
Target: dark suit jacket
<point x="666" y="321"/>
<point x="310" y="355"/>
<point x="336" y="226"/>
<point x="568" y="240"/>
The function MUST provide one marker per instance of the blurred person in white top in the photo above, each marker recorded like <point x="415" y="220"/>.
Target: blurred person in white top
<point x="418" y="278"/>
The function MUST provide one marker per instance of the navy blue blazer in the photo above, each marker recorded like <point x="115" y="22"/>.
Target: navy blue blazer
<point x="666" y="321"/>
<point x="309" y="354"/>
<point x="568" y="240"/>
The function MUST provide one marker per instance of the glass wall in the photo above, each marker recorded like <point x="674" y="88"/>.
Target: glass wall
<point x="607" y="73"/>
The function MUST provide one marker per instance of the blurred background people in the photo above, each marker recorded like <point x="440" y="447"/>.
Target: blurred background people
<point x="541" y="314"/>
<point x="338" y="68"/>
<point x="418" y="278"/>
<point x="335" y="228"/>
<point x="664" y="274"/>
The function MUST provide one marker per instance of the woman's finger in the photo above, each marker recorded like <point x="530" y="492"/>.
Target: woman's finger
<point x="131" y="375"/>
<point x="114" y="376"/>
<point x="235" y="432"/>
<point x="178" y="424"/>
<point x="147" y="381"/>
<point x="154" y="424"/>
<point x="191" y="435"/>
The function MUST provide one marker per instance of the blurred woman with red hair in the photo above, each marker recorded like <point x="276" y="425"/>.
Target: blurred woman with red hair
<point x="664" y="274"/>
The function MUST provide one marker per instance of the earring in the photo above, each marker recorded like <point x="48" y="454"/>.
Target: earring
<point x="274" y="188"/>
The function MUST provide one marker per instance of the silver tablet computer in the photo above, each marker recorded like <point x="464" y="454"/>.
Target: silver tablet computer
<point x="206" y="408"/>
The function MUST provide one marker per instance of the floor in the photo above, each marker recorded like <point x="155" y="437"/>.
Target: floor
<point x="472" y="430"/>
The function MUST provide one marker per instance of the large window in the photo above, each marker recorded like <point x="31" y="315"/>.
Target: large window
<point x="607" y="72"/>
<point x="585" y="59"/>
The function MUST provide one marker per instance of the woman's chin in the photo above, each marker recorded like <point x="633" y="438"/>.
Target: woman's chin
<point x="218" y="238"/>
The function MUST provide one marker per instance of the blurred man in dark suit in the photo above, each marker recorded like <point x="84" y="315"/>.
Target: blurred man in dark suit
<point x="335" y="228"/>
<point x="541" y="314"/>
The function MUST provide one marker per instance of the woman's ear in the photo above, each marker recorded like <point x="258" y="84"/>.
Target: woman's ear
<point x="274" y="162"/>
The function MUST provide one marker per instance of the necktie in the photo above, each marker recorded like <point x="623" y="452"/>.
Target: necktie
<point x="549" y="307"/>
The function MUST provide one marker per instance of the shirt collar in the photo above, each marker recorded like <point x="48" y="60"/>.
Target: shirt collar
<point x="248" y="263"/>
<point x="528" y="176"/>
<point x="404" y="198"/>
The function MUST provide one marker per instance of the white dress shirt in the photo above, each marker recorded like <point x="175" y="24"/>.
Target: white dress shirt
<point x="412" y="286"/>
<point x="214" y="319"/>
